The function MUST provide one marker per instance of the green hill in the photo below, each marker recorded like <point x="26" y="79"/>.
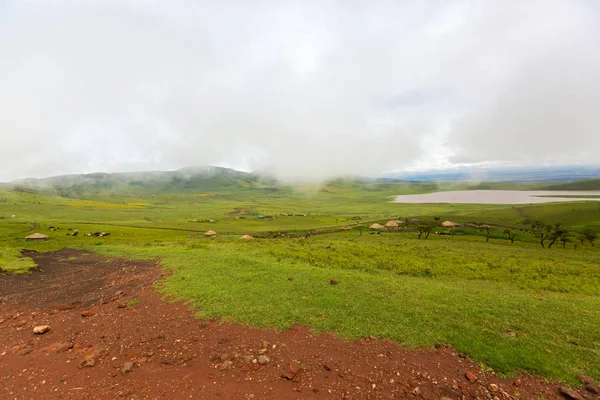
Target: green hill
<point x="588" y="184"/>
<point x="184" y="180"/>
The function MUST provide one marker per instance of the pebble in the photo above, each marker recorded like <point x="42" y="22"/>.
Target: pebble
<point x="262" y="360"/>
<point x="127" y="367"/>
<point x="87" y="313"/>
<point x="226" y="365"/>
<point x="88" y="361"/>
<point x="41" y="329"/>
<point x="492" y="387"/>
<point x="471" y="377"/>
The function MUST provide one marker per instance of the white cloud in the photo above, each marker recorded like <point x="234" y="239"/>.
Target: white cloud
<point x="308" y="89"/>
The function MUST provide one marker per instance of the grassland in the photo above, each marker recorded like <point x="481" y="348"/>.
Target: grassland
<point x="456" y="289"/>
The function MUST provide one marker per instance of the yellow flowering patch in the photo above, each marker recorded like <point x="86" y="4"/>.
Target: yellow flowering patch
<point x="102" y="204"/>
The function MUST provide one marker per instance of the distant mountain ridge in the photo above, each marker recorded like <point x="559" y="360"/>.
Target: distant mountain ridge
<point x="517" y="175"/>
<point x="188" y="179"/>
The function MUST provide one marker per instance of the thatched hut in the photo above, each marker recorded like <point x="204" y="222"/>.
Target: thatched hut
<point x="246" y="237"/>
<point x="449" y="224"/>
<point x="376" y="226"/>
<point x="391" y="225"/>
<point x="36" y="237"/>
<point x="210" y="234"/>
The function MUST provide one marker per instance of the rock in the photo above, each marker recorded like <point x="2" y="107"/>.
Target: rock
<point x="41" y="329"/>
<point x="570" y="393"/>
<point x="25" y="350"/>
<point x="327" y="365"/>
<point x="293" y="370"/>
<point x="226" y="365"/>
<point x="87" y="313"/>
<point x="88" y="361"/>
<point x="417" y="391"/>
<point x="62" y="347"/>
<point x="127" y="367"/>
<point x="590" y="387"/>
<point x="586" y="380"/>
<point x="121" y="305"/>
<point x="262" y="351"/>
<point x="471" y="377"/>
<point x="290" y="279"/>
<point x="492" y="387"/>
<point x="248" y="359"/>
<point x="517" y="382"/>
<point x="262" y="360"/>
<point x="412" y="383"/>
<point x="333" y="282"/>
<point x="225" y="357"/>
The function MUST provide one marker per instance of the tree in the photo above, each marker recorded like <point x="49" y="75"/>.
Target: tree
<point x="510" y="234"/>
<point x="590" y="235"/>
<point x="564" y="240"/>
<point x="541" y="230"/>
<point x="424" y="229"/>
<point x="556" y="233"/>
<point x="488" y="231"/>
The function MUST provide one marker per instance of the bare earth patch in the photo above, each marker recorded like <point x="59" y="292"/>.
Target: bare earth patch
<point x="112" y="336"/>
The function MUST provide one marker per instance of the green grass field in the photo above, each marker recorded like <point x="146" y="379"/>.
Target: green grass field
<point x="456" y="289"/>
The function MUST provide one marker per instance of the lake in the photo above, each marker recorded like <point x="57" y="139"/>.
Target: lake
<point x="498" y="197"/>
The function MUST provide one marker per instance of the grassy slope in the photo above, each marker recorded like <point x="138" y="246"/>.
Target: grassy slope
<point x="459" y="289"/>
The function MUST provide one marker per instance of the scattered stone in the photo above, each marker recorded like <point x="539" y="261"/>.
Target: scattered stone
<point x="333" y="282"/>
<point x="290" y="279"/>
<point x="417" y="391"/>
<point x="471" y="377"/>
<point x="88" y="361"/>
<point x="327" y="365"/>
<point x="412" y="383"/>
<point x="121" y="305"/>
<point x="41" y="329"/>
<point x="127" y="367"/>
<point x="570" y="393"/>
<point x="517" y="382"/>
<point x="262" y="360"/>
<point x="62" y="347"/>
<point x="25" y="350"/>
<point x="225" y="357"/>
<point x="492" y="387"/>
<point x="262" y="351"/>
<point x="87" y="313"/>
<point x="293" y="370"/>
<point x="248" y="359"/>
<point x="226" y="365"/>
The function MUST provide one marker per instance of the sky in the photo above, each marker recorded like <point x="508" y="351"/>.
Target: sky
<point x="299" y="89"/>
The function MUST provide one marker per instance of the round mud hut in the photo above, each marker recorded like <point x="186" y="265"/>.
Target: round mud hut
<point x="376" y="226"/>
<point x="36" y="237"/>
<point x="449" y="224"/>
<point x="391" y="225"/>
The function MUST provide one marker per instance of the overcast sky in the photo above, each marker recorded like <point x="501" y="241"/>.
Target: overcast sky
<point x="307" y="89"/>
